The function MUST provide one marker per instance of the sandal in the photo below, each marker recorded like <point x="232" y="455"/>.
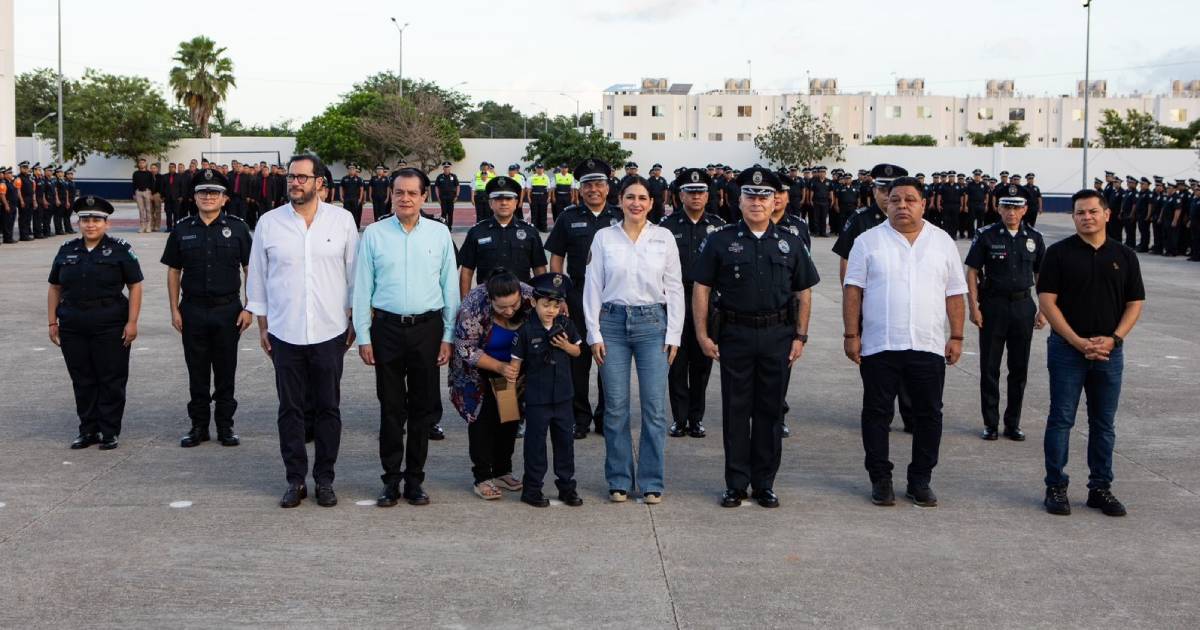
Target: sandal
<point x="508" y="482"/>
<point x="487" y="490"/>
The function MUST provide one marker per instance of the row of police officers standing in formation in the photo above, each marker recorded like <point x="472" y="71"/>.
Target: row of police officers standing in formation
<point x="1160" y="217"/>
<point x="35" y="202"/>
<point x="624" y="287"/>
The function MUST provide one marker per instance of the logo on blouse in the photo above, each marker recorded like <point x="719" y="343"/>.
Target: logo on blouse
<point x="1029" y="245"/>
<point x="226" y="232"/>
<point x="784" y="247"/>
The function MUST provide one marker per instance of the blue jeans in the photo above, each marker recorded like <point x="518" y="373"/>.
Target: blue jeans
<point x="638" y="334"/>
<point x="1100" y="381"/>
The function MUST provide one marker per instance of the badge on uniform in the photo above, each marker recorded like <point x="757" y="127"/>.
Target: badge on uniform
<point x="521" y="234"/>
<point x="579" y="225"/>
<point x="735" y="248"/>
<point x="485" y="240"/>
<point x="107" y="251"/>
<point x="1029" y="245"/>
<point x="226" y="232"/>
<point x="712" y="228"/>
<point x="784" y="247"/>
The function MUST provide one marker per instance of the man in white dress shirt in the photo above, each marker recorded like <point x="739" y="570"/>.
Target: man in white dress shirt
<point x="903" y="281"/>
<point x="299" y="285"/>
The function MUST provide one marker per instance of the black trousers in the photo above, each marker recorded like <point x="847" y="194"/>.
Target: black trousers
<point x="490" y="443"/>
<point x="171" y="211"/>
<point x="935" y="217"/>
<point x="98" y="363"/>
<point x="687" y="378"/>
<point x="657" y="211"/>
<point x="355" y="209"/>
<point x="8" y="221"/>
<point x="753" y="377"/>
<point x="1006" y="324"/>
<point x="482" y="209"/>
<point x="42" y="221"/>
<point x="924" y="374"/>
<point x="447" y="202"/>
<point x="236" y="206"/>
<point x="210" y="348"/>
<point x="560" y="203"/>
<point x="309" y="374"/>
<point x="537" y="211"/>
<point x="559" y="421"/>
<point x="581" y="367"/>
<point x="1031" y="216"/>
<point x="406" y="382"/>
<point x="61" y="220"/>
<point x="1143" y="226"/>
<point x="25" y="215"/>
<point x="1130" y="226"/>
<point x="819" y="219"/>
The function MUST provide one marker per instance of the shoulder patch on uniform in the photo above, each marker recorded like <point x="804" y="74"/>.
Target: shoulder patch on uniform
<point x="234" y="216"/>
<point x="71" y="241"/>
<point x="122" y="242"/>
<point x="861" y="210"/>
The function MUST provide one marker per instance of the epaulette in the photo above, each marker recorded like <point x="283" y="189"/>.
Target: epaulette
<point x="122" y="242"/>
<point x="383" y="217"/>
<point x="861" y="210"/>
<point x="71" y="241"/>
<point x="234" y="216"/>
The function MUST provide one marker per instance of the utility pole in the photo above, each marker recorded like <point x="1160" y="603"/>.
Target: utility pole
<point x="60" y="82"/>
<point x="1087" y="89"/>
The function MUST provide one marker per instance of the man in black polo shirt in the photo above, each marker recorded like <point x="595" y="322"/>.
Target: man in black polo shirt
<point x="1090" y="290"/>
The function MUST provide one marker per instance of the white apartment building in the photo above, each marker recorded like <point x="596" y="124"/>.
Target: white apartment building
<point x="658" y="111"/>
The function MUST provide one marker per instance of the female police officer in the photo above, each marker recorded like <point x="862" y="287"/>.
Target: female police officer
<point x="93" y="321"/>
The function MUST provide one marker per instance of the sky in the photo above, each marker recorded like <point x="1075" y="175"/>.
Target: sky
<point x="292" y="59"/>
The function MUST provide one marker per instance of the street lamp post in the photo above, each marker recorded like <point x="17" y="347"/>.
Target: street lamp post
<point x="545" y="117"/>
<point x="35" y="134"/>
<point x="60" y="82"/>
<point x="1087" y="88"/>
<point x="400" y="65"/>
<point x="491" y="129"/>
<point x="576" y="106"/>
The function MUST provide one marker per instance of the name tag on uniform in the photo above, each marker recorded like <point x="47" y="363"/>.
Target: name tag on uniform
<point x="485" y="240"/>
<point x="581" y="224"/>
<point x="189" y="237"/>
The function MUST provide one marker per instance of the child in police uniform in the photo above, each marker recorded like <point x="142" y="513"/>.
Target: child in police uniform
<point x="543" y="347"/>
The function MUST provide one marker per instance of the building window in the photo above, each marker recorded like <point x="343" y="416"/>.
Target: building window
<point x="891" y="111"/>
<point x="924" y="111"/>
<point x="832" y="139"/>
<point x="1177" y="115"/>
<point x="985" y="113"/>
<point x="629" y="110"/>
<point x="1041" y="139"/>
<point x="1016" y="113"/>
<point x="693" y="134"/>
<point x="743" y="137"/>
<point x="629" y="135"/>
<point x="715" y="137"/>
<point x="960" y="138"/>
<point x="657" y="111"/>
<point x="1053" y="139"/>
<point x="960" y="110"/>
<point x="716" y="111"/>
<point x="658" y="135"/>
<point x="608" y="107"/>
<point x="855" y="136"/>
<point x="1076" y="114"/>
<point x="833" y="110"/>
<point x="744" y="111"/>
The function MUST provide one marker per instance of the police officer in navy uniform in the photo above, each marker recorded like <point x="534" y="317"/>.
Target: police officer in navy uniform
<point x="539" y="197"/>
<point x="763" y="276"/>
<point x="657" y="186"/>
<point x="380" y="187"/>
<point x="501" y="241"/>
<point x="351" y="188"/>
<point x="28" y="206"/>
<point x="1034" y="195"/>
<point x="569" y="243"/>
<point x="447" y="193"/>
<point x="1157" y="196"/>
<point x="799" y="228"/>
<point x="845" y="202"/>
<point x="93" y="322"/>
<point x="1002" y="266"/>
<point x="206" y="256"/>
<point x="820" y="195"/>
<point x="687" y="379"/>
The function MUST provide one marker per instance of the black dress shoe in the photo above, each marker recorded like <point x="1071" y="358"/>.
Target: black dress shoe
<point x="108" y="443"/>
<point x="990" y="434"/>
<point x="733" y="498"/>
<point x="390" y="496"/>
<point x="229" y="438"/>
<point x="922" y="496"/>
<point x="536" y="500"/>
<point x="882" y="492"/>
<point x="1056" y="501"/>
<point x="293" y="496"/>
<point x="26" y="238"/>
<point x="1103" y="500"/>
<point x="326" y="497"/>
<point x="766" y="498"/>
<point x="436" y="433"/>
<point x="1015" y="435"/>
<point x="784" y="431"/>
<point x="581" y="432"/>
<point x="84" y="440"/>
<point x="570" y="497"/>
<point x="415" y="495"/>
<point x="676" y="430"/>
<point x="194" y="437"/>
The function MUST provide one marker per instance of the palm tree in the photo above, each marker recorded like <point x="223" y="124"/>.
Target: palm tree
<point x="202" y="80"/>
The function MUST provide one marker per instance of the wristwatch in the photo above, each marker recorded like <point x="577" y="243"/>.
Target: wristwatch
<point x="801" y="338"/>
<point x="1117" y="340"/>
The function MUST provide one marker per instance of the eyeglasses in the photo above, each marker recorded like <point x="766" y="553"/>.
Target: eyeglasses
<point x="299" y="179"/>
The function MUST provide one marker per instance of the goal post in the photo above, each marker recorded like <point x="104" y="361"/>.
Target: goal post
<point x="245" y="157"/>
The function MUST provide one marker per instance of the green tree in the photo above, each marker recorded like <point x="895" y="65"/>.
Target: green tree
<point x="455" y="103"/>
<point x="495" y="120"/>
<point x="1009" y="134"/>
<point x="905" y="140"/>
<point x="1137" y="130"/>
<point x="37" y="96"/>
<point x="563" y="143"/>
<point x="117" y="116"/>
<point x="334" y="134"/>
<point x="800" y="138"/>
<point x="202" y="80"/>
<point x="1180" y="137"/>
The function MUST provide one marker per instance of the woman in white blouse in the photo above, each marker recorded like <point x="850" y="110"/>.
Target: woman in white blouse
<point x="633" y="305"/>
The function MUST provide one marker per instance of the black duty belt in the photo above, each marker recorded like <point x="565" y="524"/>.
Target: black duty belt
<point x="1015" y="296"/>
<point x="94" y="303"/>
<point x="405" y="321"/>
<point x="754" y="320"/>
<point x="212" y="300"/>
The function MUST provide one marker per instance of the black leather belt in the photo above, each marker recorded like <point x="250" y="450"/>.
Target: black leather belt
<point x="96" y="303"/>
<point x="212" y="300"/>
<point x="405" y="321"/>
<point x="754" y="320"/>
<point x="1015" y="296"/>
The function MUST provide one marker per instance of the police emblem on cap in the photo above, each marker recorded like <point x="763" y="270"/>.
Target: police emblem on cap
<point x="784" y="247"/>
<point x="1029" y="245"/>
<point x="90" y="201"/>
<point x="695" y="176"/>
<point x="1012" y="190"/>
<point x="226" y="232"/>
<point x="887" y="171"/>
<point x="591" y="164"/>
<point x="557" y="281"/>
<point x="756" y="178"/>
<point x="208" y="175"/>
<point x="521" y="234"/>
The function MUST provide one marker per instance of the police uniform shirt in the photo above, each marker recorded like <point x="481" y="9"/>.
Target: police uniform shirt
<point x="1008" y="262"/>
<point x="847" y="197"/>
<point x="92" y="275"/>
<point x="689" y="236"/>
<point x="211" y="256"/>
<point x="952" y="196"/>
<point x="977" y="194"/>
<point x="446" y="184"/>
<point x="380" y="186"/>
<point x="517" y="247"/>
<point x="796" y="194"/>
<point x="754" y="274"/>
<point x="27" y="186"/>
<point x="572" y="236"/>
<point x="714" y="194"/>
<point x="547" y="369"/>
<point x="798" y="227"/>
<point x="1144" y="198"/>
<point x="1033" y="195"/>
<point x="820" y="191"/>
<point x="539" y="184"/>
<point x="862" y="220"/>
<point x="352" y="186"/>
<point x="732" y="192"/>
<point x="657" y="186"/>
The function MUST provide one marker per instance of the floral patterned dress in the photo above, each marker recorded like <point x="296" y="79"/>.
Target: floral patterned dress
<point x="472" y="327"/>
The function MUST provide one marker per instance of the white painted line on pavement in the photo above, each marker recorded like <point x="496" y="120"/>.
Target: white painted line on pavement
<point x="556" y="503"/>
<point x="67" y="464"/>
<point x="38" y="349"/>
<point x="181" y="504"/>
<point x="1171" y="356"/>
<point x="364" y="502"/>
<point x="2" y="504"/>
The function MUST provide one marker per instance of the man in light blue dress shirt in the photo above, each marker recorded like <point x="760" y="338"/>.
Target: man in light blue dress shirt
<point x="405" y="300"/>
